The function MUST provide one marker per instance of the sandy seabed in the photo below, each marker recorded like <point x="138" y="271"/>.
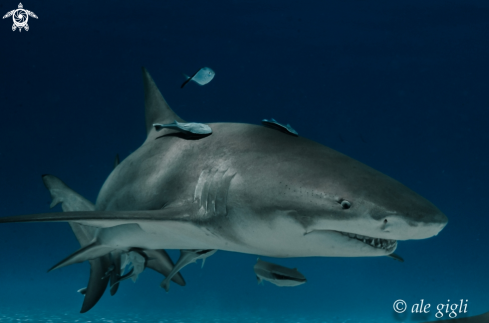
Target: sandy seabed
<point x="46" y="316"/>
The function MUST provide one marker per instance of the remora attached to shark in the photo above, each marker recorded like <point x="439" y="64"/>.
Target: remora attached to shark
<point x="249" y="189"/>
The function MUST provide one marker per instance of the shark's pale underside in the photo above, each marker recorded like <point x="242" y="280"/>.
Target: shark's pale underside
<point x="245" y="188"/>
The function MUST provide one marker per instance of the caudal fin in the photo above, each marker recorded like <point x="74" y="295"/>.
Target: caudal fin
<point x="186" y="81"/>
<point x="72" y="201"/>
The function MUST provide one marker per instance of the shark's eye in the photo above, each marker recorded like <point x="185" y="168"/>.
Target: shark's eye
<point x="385" y="221"/>
<point x="345" y="204"/>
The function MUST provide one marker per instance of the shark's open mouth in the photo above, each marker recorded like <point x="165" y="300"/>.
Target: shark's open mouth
<point x="386" y="244"/>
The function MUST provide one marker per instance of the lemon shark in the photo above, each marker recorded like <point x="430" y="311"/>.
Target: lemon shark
<point x="244" y="188"/>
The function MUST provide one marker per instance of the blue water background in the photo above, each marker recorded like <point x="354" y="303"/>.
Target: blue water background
<point x="401" y="86"/>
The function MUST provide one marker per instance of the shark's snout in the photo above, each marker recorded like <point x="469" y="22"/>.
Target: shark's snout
<point x="422" y="230"/>
<point x="408" y="226"/>
<point x="399" y="213"/>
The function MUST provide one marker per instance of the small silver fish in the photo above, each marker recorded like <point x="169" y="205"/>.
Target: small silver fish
<point x="202" y="77"/>
<point x="278" y="275"/>
<point x="186" y="127"/>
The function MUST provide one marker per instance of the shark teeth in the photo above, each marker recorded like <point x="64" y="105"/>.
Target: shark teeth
<point x="385" y="244"/>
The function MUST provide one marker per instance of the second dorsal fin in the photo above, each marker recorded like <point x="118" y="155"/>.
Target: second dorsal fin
<point x="156" y="108"/>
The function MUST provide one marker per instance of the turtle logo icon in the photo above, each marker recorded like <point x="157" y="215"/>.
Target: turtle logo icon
<point x="20" y="17"/>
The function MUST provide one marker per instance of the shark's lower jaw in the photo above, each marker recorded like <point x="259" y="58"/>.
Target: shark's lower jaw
<point x="385" y="244"/>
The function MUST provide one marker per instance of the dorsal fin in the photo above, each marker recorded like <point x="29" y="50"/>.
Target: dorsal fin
<point x="157" y="110"/>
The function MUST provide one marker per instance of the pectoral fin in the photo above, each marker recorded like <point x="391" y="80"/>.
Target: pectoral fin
<point x="260" y="281"/>
<point x="104" y="219"/>
<point x="89" y="252"/>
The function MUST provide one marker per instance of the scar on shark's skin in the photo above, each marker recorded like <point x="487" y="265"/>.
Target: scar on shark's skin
<point x="245" y="188"/>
